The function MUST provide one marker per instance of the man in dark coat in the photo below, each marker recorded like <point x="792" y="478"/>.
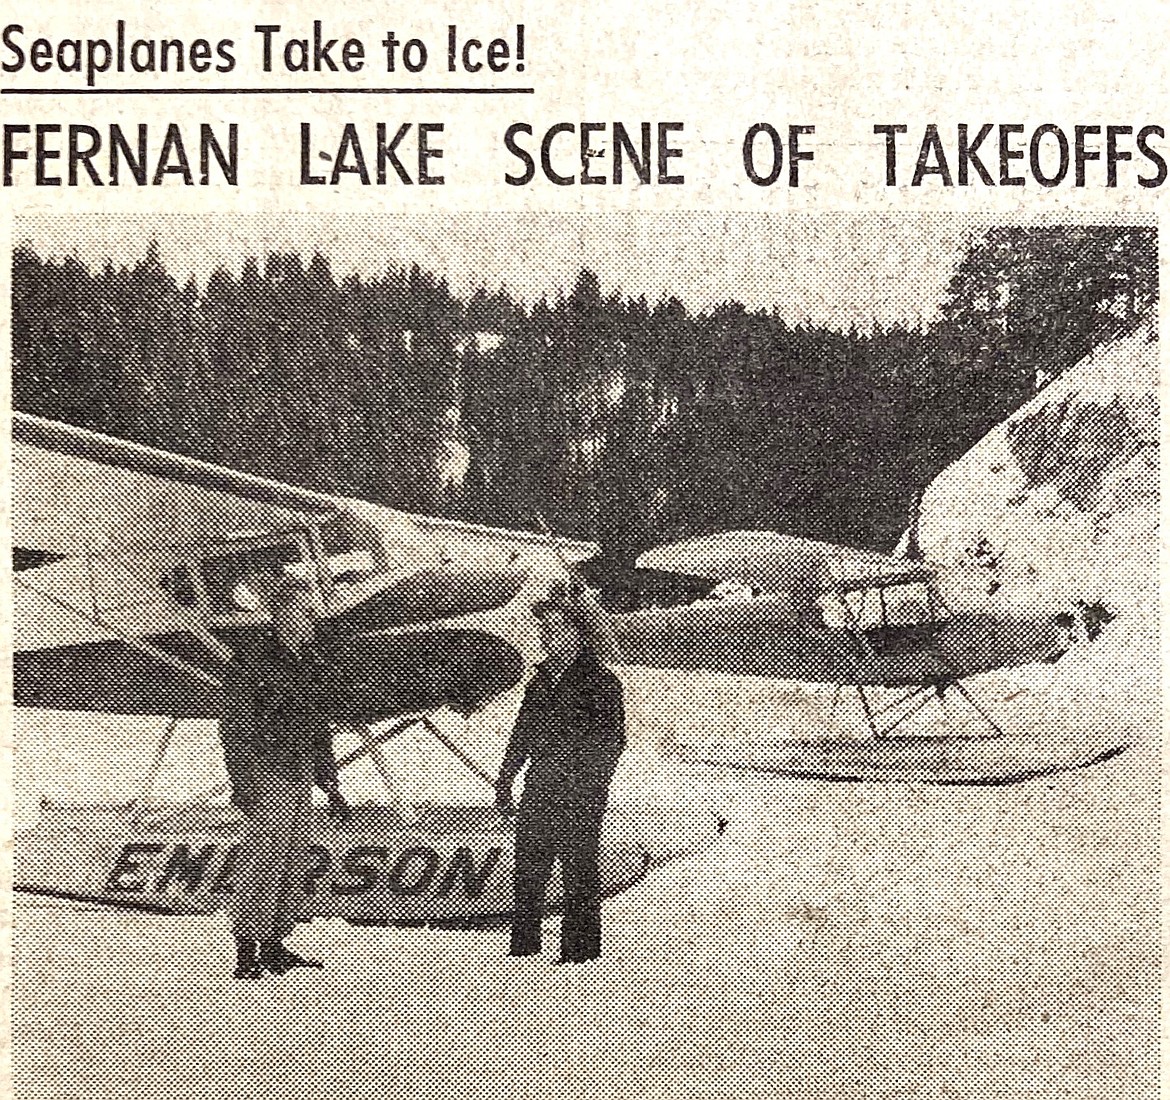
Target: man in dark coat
<point x="571" y="732"/>
<point x="277" y="743"/>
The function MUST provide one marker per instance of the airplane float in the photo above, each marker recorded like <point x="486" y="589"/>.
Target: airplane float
<point x="137" y="574"/>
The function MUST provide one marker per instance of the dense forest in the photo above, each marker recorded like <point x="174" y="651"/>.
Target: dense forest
<point x="611" y="417"/>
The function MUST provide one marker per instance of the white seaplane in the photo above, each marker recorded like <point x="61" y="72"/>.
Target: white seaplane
<point x="137" y="573"/>
<point x="910" y="642"/>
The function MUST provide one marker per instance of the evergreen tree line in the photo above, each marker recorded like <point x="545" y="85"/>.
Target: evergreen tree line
<point x="608" y="416"/>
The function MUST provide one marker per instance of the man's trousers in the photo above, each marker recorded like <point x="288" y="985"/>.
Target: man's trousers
<point x="574" y="839"/>
<point x="267" y="888"/>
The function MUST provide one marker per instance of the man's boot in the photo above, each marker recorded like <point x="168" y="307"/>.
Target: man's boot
<point x="247" y="963"/>
<point x="525" y="938"/>
<point x="279" y="959"/>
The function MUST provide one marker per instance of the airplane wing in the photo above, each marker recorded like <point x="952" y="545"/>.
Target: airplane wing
<point x="78" y="492"/>
<point x="770" y="561"/>
<point x="125" y="553"/>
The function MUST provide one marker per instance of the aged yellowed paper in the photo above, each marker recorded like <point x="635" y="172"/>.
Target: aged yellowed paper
<point x="569" y="551"/>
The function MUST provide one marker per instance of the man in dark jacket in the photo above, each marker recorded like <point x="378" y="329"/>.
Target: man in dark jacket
<point x="571" y="732"/>
<point x="277" y="743"/>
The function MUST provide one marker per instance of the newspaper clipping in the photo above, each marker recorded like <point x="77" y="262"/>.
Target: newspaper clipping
<point x="568" y="552"/>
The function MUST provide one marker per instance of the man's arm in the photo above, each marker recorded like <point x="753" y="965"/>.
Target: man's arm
<point x="325" y="775"/>
<point x="517" y="753"/>
<point x="605" y="739"/>
<point x="324" y="762"/>
<point x="514" y="757"/>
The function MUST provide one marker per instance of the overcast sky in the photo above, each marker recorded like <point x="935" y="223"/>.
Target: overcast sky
<point x="830" y="269"/>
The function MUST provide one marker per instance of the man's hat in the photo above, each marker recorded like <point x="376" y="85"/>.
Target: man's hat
<point x="580" y="606"/>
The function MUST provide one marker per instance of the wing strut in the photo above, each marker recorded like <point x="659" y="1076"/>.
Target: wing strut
<point x="138" y="808"/>
<point x="458" y="753"/>
<point x="885" y="721"/>
<point x="372" y="747"/>
<point x="370" y="744"/>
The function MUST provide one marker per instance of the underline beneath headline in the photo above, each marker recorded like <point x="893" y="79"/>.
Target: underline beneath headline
<point x="266" y="91"/>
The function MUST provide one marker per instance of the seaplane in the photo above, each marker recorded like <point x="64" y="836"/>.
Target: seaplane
<point x="137" y="576"/>
<point x="138" y="573"/>
<point x="904" y="638"/>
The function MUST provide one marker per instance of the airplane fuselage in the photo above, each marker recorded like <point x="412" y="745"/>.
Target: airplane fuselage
<point x="766" y="637"/>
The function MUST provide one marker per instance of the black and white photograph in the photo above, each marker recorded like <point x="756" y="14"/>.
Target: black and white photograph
<point x="661" y="654"/>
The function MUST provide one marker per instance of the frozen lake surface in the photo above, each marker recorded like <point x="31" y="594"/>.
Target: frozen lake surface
<point x="840" y="941"/>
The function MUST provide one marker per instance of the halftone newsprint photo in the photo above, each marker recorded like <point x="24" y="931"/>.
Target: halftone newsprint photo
<point x="561" y="555"/>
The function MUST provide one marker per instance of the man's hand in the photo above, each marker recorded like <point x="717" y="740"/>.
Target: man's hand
<point x="504" y="804"/>
<point x="339" y="810"/>
<point x="242" y="800"/>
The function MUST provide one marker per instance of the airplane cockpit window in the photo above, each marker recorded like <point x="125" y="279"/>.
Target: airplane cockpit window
<point x="242" y="582"/>
<point x="895" y="605"/>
